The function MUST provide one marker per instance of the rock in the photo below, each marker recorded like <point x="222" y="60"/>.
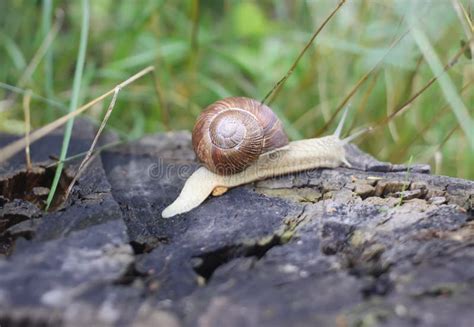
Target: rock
<point x="438" y="200"/>
<point x="376" y="244"/>
<point x="303" y="194"/>
<point x="364" y="190"/>
<point x="384" y="188"/>
<point x="408" y="195"/>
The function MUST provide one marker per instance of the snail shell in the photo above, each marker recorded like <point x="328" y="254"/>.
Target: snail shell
<point x="232" y="133"/>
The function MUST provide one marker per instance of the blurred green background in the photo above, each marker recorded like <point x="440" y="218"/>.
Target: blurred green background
<point x="207" y="50"/>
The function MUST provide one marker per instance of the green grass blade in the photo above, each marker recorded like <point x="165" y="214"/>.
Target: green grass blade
<point x="35" y="96"/>
<point x="74" y="98"/>
<point x="446" y="84"/>
<point x="13" y="51"/>
<point x="46" y="21"/>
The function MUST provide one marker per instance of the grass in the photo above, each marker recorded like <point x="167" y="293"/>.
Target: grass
<point x="76" y="88"/>
<point x="205" y="50"/>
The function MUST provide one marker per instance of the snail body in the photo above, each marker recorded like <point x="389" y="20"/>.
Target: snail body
<point x="297" y="156"/>
<point x="291" y="157"/>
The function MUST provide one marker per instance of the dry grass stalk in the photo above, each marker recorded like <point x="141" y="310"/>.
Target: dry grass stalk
<point x="402" y="151"/>
<point x="43" y="48"/>
<point x="404" y="107"/>
<point x="26" y="110"/>
<point x="279" y="84"/>
<point x="33" y="64"/>
<point x="86" y="160"/>
<point x="13" y="148"/>
<point x="465" y="21"/>
<point x="359" y="84"/>
<point x="165" y="116"/>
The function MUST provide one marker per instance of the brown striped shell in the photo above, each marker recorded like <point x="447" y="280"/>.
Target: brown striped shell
<point x="232" y="133"/>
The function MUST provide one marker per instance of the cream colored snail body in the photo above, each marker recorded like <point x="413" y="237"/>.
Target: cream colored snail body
<point x="240" y="141"/>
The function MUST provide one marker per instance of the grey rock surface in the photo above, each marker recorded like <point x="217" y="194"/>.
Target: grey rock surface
<point x="372" y="245"/>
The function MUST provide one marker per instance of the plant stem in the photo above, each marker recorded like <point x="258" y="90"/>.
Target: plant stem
<point x="74" y="99"/>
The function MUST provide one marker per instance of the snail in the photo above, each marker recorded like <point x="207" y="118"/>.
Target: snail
<point x="232" y="133"/>
<point x="240" y="140"/>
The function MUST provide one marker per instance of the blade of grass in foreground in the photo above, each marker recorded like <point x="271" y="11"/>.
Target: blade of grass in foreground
<point x="47" y="18"/>
<point x="74" y="99"/>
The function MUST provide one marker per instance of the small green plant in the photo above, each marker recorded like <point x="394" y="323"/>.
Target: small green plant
<point x="81" y="57"/>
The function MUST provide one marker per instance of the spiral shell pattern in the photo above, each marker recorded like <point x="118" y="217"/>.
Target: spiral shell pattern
<point x="232" y="133"/>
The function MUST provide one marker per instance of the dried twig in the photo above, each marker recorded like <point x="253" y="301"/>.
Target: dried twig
<point x="48" y="40"/>
<point x="280" y="83"/>
<point x="402" y="150"/>
<point x="86" y="160"/>
<point x="405" y="106"/>
<point x="359" y="84"/>
<point x="82" y="154"/>
<point x="365" y="99"/>
<point x="26" y="110"/>
<point x="39" y="54"/>
<point x="465" y="22"/>
<point x="14" y="147"/>
<point x="165" y="117"/>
